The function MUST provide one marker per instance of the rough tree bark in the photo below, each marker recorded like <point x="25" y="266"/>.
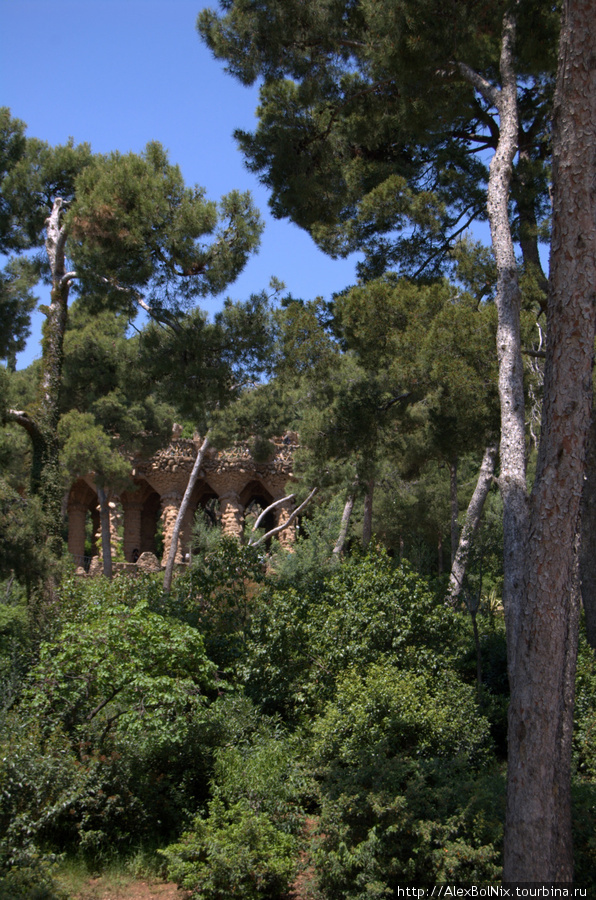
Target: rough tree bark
<point x="542" y="663"/>
<point x="587" y="555"/>
<point x="473" y="516"/>
<point x="512" y="450"/>
<point x="167" y="579"/>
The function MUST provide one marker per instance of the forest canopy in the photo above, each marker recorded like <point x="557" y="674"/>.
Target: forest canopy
<point x="385" y="675"/>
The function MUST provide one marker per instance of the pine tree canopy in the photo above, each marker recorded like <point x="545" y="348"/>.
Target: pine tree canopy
<point x="370" y="134"/>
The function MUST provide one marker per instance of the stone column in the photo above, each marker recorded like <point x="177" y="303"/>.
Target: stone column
<point x="132" y="529"/>
<point x="170" y="504"/>
<point x="76" y="531"/>
<point x="116" y="523"/>
<point x="287" y="537"/>
<point x="232" y="515"/>
<point x="186" y="533"/>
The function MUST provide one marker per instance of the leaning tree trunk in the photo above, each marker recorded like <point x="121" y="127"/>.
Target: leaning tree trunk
<point x="167" y="580"/>
<point x="343" y="528"/>
<point x="538" y="823"/>
<point x="473" y="517"/>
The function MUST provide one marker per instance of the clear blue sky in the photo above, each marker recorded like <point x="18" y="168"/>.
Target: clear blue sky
<point x="119" y="73"/>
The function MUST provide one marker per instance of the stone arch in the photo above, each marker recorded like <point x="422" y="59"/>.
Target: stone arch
<point x="255" y="493"/>
<point x="141" y="506"/>
<point x="81" y="503"/>
<point x="205" y="498"/>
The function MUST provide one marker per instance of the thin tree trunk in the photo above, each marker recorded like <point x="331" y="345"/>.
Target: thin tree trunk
<point x="454" y="506"/>
<point x="368" y="513"/>
<point x="538" y="818"/>
<point x="343" y="528"/>
<point x="474" y="615"/>
<point x="106" y="542"/>
<point x="46" y="478"/>
<point x="167" y="579"/>
<point x="512" y="450"/>
<point x="473" y="517"/>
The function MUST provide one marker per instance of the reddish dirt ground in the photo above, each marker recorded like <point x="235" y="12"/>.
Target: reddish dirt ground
<point x="100" y="889"/>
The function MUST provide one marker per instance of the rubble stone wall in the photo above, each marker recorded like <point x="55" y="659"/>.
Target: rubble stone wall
<point x="229" y="480"/>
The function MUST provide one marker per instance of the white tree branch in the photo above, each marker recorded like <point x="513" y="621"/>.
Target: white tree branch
<point x="279" y="528"/>
<point x="273" y="505"/>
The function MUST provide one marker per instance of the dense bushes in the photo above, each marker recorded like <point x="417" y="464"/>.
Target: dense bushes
<point x="107" y="719"/>
<point x="249" y="726"/>
<point x="249" y="841"/>
<point x="366" y="610"/>
<point x="407" y="790"/>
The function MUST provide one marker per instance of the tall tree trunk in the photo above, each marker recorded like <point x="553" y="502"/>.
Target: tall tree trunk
<point x="46" y="475"/>
<point x="453" y="503"/>
<point x="106" y="534"/>
<point x="167" y="579"/>
<point x="538" y="822"/>
<point x="343" y="528"/>
<point x="368" y="513"/>
<point x="587" y="554"/>
<point x="512" y="451"/>
<point x="473" y="517"/>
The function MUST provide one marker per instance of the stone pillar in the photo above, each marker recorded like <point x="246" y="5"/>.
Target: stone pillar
<point x="76" y="531"/>
<point x="232" y="515"/>
<point x="170" y="504"/>
<point x="286" y="537"/>
<point x="132" y="529"/>
<point x="186" y="534"/>
<point x="116" y="526"/>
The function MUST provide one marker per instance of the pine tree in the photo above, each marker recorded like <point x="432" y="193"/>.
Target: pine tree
<point x="370" y="117"/>
<point x="125" y="232"/>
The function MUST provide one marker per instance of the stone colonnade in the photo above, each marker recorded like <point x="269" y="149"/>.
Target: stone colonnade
<point x="229" y="483"/>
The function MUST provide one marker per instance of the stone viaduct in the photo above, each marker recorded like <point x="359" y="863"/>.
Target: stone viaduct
<point x="142" y="517"/>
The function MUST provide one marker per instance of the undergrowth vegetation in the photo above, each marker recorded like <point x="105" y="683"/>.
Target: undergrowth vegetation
<point x="252" y="725"/>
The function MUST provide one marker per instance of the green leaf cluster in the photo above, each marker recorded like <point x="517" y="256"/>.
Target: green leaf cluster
<point x="366" y="610"/>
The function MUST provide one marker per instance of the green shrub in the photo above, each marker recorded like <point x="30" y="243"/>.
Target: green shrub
<point x="125" y="689"/>
<point x="120" y="675"/>
<point x="249" y="842"/>
<point x="34" y="882"/>
<point x="403" y="796"/>
<point x="385" y="712"/>
<point x="234" y="852"/>
<point x="408" y="822"/>
<point x="365" y="610"/>
<point x="584" y="738"/>
<point x="40" y="785"/>
<point x="216" y="596"/>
